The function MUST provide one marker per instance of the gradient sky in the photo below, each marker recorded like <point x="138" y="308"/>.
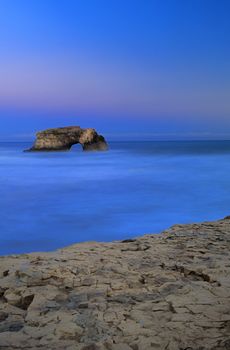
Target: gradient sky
<point x="142" y="68"/>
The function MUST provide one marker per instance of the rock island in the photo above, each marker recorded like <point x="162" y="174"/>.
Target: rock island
<point x="62" y="139"/>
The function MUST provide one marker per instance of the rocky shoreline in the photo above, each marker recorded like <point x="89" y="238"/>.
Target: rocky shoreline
<point x="166" y="291"/>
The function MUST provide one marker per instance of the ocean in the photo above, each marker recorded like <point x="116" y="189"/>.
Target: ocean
<point x="52" y="200"/>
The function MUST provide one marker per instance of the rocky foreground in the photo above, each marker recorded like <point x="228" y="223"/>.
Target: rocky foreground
<point x="168" y="291"/>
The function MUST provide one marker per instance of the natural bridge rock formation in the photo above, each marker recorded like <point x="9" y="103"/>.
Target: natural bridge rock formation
<point x="62" y="139"/>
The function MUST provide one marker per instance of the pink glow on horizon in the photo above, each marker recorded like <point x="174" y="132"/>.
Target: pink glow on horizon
<point x="78" y="84"/>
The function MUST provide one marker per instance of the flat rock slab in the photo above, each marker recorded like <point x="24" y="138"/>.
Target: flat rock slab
<point x="169" y="291"/>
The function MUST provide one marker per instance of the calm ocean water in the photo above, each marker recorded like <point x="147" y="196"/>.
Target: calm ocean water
<point x="50" y="200"/>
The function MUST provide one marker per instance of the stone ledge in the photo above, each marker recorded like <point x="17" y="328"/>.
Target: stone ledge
<point x="165" y="291"/>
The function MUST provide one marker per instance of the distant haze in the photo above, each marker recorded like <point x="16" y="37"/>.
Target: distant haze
<point x="154" y="69"/>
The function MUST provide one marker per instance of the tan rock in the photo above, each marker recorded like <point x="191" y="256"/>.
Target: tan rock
<point x="167" y="291"/>
<point x="64" y="138"/>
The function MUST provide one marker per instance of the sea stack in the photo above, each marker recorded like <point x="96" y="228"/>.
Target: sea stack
<point x="62" y="139"/>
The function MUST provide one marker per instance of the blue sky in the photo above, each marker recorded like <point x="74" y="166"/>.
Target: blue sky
<point x="153" y="69"/>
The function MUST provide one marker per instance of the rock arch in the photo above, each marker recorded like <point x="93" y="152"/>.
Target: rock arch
<point x="62" y="139"/>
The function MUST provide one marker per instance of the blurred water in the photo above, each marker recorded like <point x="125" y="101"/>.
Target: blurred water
<point x="50" y="200"/>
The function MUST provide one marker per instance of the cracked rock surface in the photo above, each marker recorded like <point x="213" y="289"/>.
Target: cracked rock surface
<point x="169" y="291"/>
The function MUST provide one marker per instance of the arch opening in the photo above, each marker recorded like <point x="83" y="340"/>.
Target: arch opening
<point x="76" y="147"/>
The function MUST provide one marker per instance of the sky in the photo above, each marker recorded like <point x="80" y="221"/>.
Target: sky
<point x="129" y="68"/>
